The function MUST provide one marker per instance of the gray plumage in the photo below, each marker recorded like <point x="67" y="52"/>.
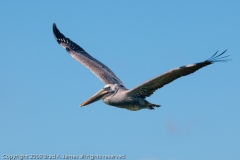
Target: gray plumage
<point x="114" y="93"/>
<point x="99" y="69"/>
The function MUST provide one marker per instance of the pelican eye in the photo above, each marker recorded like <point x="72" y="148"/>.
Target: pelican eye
<point x="107" y="88"/>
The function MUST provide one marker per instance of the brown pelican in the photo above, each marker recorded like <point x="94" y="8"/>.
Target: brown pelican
<point x="114" y="93"/>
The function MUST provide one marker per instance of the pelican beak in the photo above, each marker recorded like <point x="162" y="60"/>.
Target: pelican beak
<point x="95" y="97"/>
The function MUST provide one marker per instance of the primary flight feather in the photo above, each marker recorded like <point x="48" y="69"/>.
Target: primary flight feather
<point x="114" y="93"/>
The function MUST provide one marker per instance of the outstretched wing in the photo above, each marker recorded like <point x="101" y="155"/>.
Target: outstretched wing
<point x="96" y="67"/>
<point x="148" y="87"/>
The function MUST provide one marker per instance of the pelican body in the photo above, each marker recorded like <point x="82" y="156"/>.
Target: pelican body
<point x="114" y="93"/>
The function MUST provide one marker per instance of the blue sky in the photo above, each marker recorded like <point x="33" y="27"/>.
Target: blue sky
<point x="41" y="86"/>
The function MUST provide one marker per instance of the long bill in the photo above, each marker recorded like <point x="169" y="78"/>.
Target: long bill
<point x="95" y="97"/>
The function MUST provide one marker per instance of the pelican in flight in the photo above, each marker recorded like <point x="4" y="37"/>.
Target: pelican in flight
<point x="114" y="93"/>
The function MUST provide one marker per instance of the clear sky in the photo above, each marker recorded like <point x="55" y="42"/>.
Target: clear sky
<point x="41" y="86"/>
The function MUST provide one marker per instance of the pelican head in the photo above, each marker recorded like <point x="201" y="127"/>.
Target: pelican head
<point x="106" y="91"/>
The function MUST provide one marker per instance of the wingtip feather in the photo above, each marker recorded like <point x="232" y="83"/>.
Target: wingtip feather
<point x="57" y="34"/>
<point x="217" y="57"/>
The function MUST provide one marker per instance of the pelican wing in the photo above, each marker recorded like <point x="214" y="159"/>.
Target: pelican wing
<point x="148" y="87"/>
<point x="96" y="67"/>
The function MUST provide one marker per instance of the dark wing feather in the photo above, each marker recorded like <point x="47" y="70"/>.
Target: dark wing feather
<point x="99" y="69"/>
<point x="148" y="87"/>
